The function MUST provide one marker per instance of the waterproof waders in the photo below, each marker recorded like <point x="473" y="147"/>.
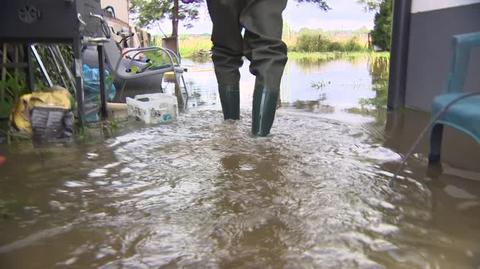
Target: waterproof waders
<point x="261" y="43"/>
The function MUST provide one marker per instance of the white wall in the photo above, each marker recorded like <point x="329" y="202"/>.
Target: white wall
<point x="428" y="5"/>
<point x="120" y="6"/>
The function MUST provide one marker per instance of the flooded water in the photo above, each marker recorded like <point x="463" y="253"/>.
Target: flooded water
<point x="203" y="193"/>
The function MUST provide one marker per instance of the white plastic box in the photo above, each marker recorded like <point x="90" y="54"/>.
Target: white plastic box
<point x="153" y="108"/>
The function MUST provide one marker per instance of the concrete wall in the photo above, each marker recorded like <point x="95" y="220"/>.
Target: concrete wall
<point x="432" y="25"/>
<point x="120" y="6"/>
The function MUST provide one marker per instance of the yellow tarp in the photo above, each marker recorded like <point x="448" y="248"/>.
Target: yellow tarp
<point x="56" y="97"/>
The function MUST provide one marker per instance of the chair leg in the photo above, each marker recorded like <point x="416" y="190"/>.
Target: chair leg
<point x="178" y="93"/>
<point x="184" y="85"/>
<point x="435" y="144"/>
<point x="186" y="90"/>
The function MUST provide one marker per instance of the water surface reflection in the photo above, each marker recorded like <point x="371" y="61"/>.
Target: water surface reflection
<point x="203" y="193"/>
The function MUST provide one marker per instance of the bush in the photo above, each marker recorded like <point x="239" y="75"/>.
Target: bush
<point x="353" y="45"/>
<point x="304" y="43"/>
<point x="382" y="32"/>
<point x="308" y="42"/>
<point x="335" y="46"/>
<point x="312" y="43"/>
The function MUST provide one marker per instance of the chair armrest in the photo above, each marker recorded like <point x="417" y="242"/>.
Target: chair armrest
<point x="462" y="47"/>
<point x="141" y="50"/>
<point x="468" y="39"/>
<point x="169" y="52"/>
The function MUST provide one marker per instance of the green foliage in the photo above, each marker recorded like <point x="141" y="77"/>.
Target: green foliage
<point x="149" y="12"/>
<point x="308" y="42"/>
<point x="353" y="45"/>
<point x="322" y="4"/>
<point x="370" y="5"/>
<point x="312" y="43"/>
<point x="15" y="84"/>
<point x="47" y="58"/>
<point x="197" y="47"/>
<point x="10" y="90"/>
<point x="382" y="32"/>
<point x="379" y="70"/>
<point x="335" y="46"/>
<point x="313" y="58"/>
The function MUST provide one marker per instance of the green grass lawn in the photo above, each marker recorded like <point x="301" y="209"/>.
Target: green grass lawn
<point x="327" y="56"/>
<point x="200" y="46"/>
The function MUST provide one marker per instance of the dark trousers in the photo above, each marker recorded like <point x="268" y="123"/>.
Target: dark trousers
<point x="261" y="42"/>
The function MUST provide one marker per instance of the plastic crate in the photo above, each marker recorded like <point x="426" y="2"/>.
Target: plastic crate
<point x="153" y="108"/>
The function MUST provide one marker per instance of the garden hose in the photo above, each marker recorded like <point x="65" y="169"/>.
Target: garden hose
<point x="427" y="128"/>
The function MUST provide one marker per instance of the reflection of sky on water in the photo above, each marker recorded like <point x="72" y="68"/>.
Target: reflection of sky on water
<point x="344" y="83"/>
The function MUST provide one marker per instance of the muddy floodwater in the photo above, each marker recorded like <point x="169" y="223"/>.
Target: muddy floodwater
<point x="203" y="193"/>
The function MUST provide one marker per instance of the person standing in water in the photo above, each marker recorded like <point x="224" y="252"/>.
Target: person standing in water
<point x="261" y="43"/>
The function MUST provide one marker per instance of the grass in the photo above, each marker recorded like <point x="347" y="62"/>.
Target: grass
<point x="200" y="46"/>
<point x="193" y="47"/>
<point x="10" y="90"/>
<point x="328" y="56"/>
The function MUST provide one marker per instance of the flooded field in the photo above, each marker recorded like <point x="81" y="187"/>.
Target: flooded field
<point x="203" y="193"/>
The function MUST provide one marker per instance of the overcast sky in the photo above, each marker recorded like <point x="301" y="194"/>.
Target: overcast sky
<point x="345" y="14"/>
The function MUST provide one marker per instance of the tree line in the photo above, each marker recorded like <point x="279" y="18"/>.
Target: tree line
<point x="149" y="12"/>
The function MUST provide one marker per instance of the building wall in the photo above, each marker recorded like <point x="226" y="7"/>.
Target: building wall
<point x="432" y="25"/>
<point x="121" y="22"/>
<point x="120" y="6"/>
<point x="429" y="5"/>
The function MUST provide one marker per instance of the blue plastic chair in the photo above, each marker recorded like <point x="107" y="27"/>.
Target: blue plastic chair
<point x="464" y="115"/>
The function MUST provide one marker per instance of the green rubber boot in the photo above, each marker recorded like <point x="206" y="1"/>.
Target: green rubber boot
<point x="230" y="99"/>
<point x="264" y="107"/>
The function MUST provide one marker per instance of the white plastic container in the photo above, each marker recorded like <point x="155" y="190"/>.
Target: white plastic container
<point x="153" y="108"/>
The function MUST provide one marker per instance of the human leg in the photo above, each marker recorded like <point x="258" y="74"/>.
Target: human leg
<point x="227" y="53"/>
<point x="267" y="52"/>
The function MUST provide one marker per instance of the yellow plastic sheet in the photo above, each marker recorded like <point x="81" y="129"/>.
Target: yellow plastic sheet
<point x="56" y="97"/>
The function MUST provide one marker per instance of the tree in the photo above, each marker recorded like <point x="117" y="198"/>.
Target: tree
<point x="322" y="4"/>
<point x="370" y="5"/>
<point x="149" y="12"/>
<point x="382" y="31"/>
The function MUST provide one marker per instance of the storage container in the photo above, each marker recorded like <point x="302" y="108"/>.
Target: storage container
<point x="153" y="108"/>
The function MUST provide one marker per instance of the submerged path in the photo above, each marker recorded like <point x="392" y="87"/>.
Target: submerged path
<point x="203" y="193"/>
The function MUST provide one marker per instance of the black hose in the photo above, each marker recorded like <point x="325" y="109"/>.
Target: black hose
<point x="427" y="128"/>
<point x="106" y="29"/>
<point x="111" y="10"/>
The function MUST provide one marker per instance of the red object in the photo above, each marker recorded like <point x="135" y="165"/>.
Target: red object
<point x="3" y="159"/>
